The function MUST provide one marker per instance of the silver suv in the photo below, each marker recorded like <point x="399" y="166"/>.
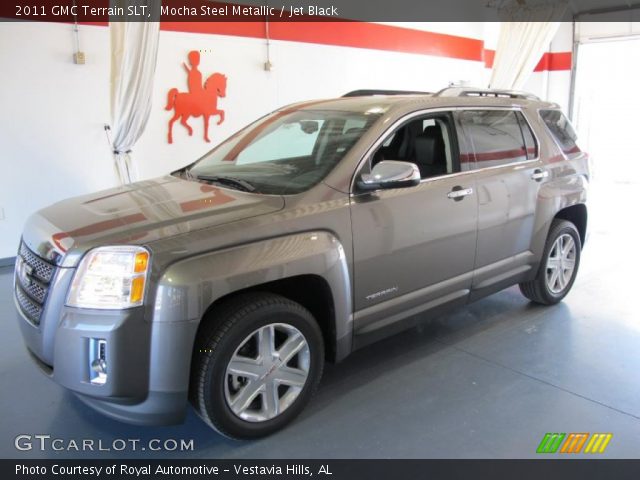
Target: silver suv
<point x="314" y="231"/>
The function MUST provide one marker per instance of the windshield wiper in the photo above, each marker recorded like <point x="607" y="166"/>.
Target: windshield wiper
<point x="236" y="183"/>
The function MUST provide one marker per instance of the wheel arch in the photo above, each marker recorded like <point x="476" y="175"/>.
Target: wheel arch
<point x="312" y="291"/>
<point x="576" y="214"/>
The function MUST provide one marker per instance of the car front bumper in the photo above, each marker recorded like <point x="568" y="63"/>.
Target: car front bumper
<point x="136" y="389"/>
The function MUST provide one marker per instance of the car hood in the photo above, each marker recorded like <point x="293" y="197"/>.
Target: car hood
<point x="137" y="214"/>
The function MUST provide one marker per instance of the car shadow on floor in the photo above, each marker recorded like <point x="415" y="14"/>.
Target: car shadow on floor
<point x="505" y="310"/>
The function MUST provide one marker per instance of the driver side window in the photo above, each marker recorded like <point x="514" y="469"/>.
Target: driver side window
<point x="427" y="141"/>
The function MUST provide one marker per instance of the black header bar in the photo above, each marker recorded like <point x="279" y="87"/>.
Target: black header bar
<point x="542" y="469"/>
<point x="101" y="11"/>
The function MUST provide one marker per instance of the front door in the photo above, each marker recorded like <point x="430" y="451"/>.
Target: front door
<point x="414" y="248"/>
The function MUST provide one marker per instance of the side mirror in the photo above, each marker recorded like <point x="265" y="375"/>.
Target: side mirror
<point x="390" y="174"/>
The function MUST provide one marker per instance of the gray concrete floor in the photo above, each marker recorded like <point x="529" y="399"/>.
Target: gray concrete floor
<point x="485" y="381"/>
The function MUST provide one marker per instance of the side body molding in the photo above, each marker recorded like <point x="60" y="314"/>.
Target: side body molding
<point x="188" y="288"/>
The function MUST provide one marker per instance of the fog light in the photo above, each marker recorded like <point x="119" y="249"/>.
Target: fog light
<point x="98" y="361"/>
<point x="99" y="366"/>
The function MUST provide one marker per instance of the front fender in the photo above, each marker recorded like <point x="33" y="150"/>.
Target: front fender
<point x="189" y="287"/>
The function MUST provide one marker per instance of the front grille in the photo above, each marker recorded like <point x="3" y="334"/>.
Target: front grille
<point x="31" y="309"/>
<point x="42" y="269"/>
<point x="33" y="276"/>
<point x="36" y="290"/>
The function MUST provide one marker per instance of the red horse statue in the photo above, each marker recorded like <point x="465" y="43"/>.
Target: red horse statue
<point x="198" y="101"/>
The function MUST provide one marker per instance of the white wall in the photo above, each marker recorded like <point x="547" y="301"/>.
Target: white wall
<point x="51" y="130"/>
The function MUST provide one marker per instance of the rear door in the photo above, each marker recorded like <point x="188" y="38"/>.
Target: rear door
<point x="508" y="175"/>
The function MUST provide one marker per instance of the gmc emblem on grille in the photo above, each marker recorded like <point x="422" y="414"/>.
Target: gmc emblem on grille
<point x="23" y="271"/>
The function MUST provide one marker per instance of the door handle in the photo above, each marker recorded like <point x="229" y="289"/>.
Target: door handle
<point x="539" y="174"/>
<point x="458" y="193"/>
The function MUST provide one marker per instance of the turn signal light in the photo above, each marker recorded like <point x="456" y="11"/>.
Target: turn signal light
<point x="141" y="262"/>
<point x="137" y="289"/>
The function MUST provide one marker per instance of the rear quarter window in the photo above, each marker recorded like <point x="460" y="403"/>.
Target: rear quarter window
<point x="561" y="130"/>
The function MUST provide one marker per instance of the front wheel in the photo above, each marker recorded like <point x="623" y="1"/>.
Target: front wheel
<point x="559" y="265"/>
<point x="256" y="365"/>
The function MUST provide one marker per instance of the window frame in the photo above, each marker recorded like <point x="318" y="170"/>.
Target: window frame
<point x="402" y="122"/>
<point x="353" y="191"/>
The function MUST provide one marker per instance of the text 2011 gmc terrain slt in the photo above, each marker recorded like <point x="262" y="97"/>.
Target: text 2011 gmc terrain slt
<point x="316" y="230"/>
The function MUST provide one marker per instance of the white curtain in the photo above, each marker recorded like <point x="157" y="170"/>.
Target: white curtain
<point x="134" y="50"/>
<point x="522" y="43"/>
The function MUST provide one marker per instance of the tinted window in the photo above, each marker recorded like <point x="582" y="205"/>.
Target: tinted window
<point x="496" y="136"/>
<point x="561" y="130"/>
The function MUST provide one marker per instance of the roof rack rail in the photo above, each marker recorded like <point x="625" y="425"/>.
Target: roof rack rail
<point x="485" y="92"/>
<point x="367" y="93"/>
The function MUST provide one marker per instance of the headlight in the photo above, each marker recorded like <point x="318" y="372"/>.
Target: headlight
<point x="110" y="278"/>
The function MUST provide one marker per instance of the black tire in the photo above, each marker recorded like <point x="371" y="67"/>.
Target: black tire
<point x="538" y="290"/>
<point x="224" y="331"/>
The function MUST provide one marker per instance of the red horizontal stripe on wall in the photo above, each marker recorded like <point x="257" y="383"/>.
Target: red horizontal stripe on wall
<point x="489" y="57"/>
<point x="366" y="35"/>
<point x="550" y="61"/>
<point x="236" y="29"/>
<point x="554" y="61"/>
<point x="95" y="24"/>
<point x="346" y="34"/>
<point x="380" y="37"/>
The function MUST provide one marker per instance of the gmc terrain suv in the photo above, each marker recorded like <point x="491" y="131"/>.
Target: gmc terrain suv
<point x="314" y="231"/>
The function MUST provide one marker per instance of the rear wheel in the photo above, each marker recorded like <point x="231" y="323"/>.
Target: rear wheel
<point x="559" y="266"/>
<point x="256" y="365"/>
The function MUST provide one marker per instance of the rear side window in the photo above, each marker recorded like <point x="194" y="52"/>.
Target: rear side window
<point x="498" y="137"/>
<point x="561" y="129"/>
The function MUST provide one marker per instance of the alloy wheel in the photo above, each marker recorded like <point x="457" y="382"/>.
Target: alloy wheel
<point x="561" y="263"/>
<point x="267" y="372"/>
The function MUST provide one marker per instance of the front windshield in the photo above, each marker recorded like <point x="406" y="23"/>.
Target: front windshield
<point x="286" y="152"/>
